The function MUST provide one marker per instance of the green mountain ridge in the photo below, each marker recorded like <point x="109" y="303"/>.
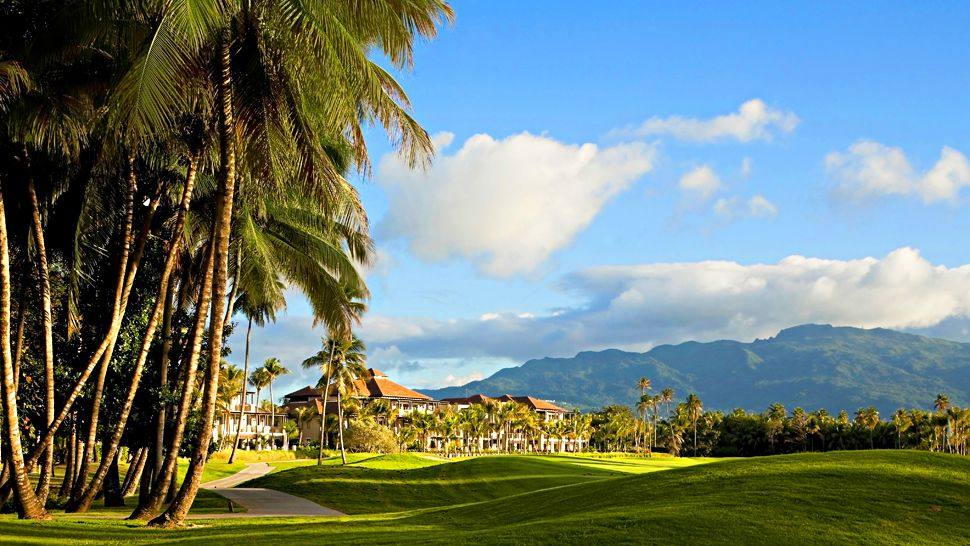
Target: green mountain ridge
<point x="812" y="366"/>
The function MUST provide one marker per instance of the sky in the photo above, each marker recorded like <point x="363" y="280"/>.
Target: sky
<point x="643" y="173"/>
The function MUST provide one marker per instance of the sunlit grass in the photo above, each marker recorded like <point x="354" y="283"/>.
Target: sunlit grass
<point x="881" y="497"/>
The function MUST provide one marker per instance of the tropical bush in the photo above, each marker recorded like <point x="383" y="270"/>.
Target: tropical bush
<point x="366" y="435"/>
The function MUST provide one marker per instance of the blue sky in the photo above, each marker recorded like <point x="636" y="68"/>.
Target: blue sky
<point x="634" y="173"/>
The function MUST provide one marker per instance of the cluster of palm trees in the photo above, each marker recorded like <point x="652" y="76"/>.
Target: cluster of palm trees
<point x="232" y="390"/>
<point x="164" y="165"/>
<point x="688" y="429"/>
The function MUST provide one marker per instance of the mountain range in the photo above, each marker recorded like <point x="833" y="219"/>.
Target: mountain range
<point x="813" y="366"/>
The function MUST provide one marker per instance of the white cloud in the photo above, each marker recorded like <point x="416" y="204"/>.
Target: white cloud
<point x="870" y="169"/>
<point x="530" y="189"/>
<point x="640" y="305"/>
<point x="700" y="183"/>
<point x="452" y="380"/>
<point x="760" y="207"/>
<point x="746" y="167"/>
<point x="754" y="120"/>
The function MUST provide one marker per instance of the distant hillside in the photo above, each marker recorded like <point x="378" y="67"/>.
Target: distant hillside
<point x="811" y="366"/>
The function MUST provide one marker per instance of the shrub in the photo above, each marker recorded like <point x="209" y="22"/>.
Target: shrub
<point x="368" y="436"/>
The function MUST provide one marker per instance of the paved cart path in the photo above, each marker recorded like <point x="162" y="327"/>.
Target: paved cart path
<point x="261" y="502"/>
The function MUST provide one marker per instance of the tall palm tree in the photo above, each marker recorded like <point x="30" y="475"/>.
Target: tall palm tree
<point x="257" y="310"/>
<point x="666" y="397"/>
<point x="868" y="418"/>
<point x="302" y="416"/>
<point x="349" y="364"/>
<point x="274" y="368"/>
<point x="232" y="385"/>
<point x="901" y="422"/>
<point x="644" y="385"/>
<point x="28" y="506"/>
<point x="259" y="379"/>
<point x="323" y="360"/>
<point x="694" y="410"/>
<point x="941" y="404"/>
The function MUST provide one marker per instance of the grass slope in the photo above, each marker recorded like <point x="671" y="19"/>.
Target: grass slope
<point x="393" y="483"/>
<point x="873" y="497"/>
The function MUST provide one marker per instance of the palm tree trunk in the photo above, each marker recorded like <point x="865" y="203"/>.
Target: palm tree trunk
<point x="43" y="486"/>
<point x="69" y="461"/>
<point x="162" y="302"/>
<point x="28" y="506"/>
<point x="86" y="495"/>
<point x="163" y="481"/>
<point x="175" y="515"/>
<point x="107" y="341"/>
<point x="695" y="438"/>
<point x="18" y="350"/>
<point x="135" y="470"/>
<point x="340" y="428"/>
<point x="112" y="484"/>
<point x="163" y="365"/>
<point x="323" y="412"/>
<point x="242" y="405"/>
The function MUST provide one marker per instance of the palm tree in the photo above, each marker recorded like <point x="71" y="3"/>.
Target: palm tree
<point x="259" y="379"/>
<point x="302" y="416"/>
<point x="28" y="506"/>
<point x="259" y="311"/>
<point x="775" y="420"/>
<point x="901" y="422"/>
<point x="231" y="386"/>
<point x="274" y="368"/>
<point x="694" y="410"/>
<point x="868" y="418"/>
<point x="644" y="385"/>
<point x="323" y="361"/>
<point x="348" y="365"/>
<point x="667" y="396"/>
<point x="941" y="405"/>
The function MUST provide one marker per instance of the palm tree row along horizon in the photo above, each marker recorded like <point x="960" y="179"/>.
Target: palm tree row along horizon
<point x="165" y="165"/>
<point x="776" y="430"/>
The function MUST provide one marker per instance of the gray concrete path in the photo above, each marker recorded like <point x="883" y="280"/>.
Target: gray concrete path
<point x="251" y="472"/>
<point x="264" y="503"/>
<point x="261" y="502"/>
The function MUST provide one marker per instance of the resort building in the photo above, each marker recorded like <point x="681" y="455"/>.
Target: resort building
<point x="372" y="387"/>
<point x="398" y="404"/>
<point x="260" y="430"/>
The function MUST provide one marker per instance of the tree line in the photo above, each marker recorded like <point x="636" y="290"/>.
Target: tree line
<point x="685" y="428"/>
<point x="165" y="165"/>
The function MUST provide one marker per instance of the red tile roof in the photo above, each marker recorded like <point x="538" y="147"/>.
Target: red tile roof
<point x="534" y="403"/>
<point x="305" y="392"/>
<point x="377" y="385"/>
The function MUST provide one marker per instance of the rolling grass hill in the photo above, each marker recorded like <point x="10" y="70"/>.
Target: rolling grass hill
<point x="812" y="366"/>
<point x="393" y="483"/>
<point x="882" y="497"/>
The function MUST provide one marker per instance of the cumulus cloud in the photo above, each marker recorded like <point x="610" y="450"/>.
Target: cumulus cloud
<point x="451" y="380"/>
<point x="700" y="183"/>
<point x="636" y="306"/>
<point x="870" y="169"/>
<point x="758" y="206"/>
<point x="754" y="120"/>
<point x="530" y="189"/>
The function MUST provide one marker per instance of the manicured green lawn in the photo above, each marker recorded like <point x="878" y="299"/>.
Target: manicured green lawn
<point x="880" y="497"/>
<point x="392" y="483"/>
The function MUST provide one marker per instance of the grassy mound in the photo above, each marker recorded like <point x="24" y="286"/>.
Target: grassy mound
<point x="888" y="497"/>
<point x="883" y="497"/>
<point x="393" y="483"/>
